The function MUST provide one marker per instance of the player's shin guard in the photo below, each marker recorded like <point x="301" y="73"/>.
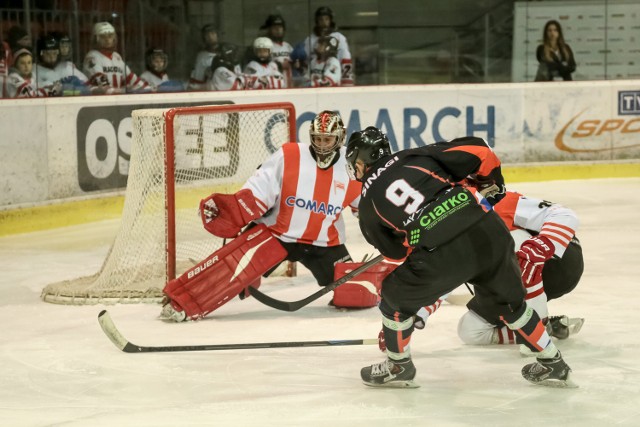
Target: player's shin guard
<point x="396" y="329"/>
<point x="224" y="274"/>
<point x="530" y="331"/>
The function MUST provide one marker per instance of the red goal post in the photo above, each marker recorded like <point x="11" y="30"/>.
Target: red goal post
<point x="178" y="156"/>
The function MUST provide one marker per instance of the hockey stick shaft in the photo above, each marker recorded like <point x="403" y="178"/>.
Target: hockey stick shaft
<point x="116" y="337"/>
<point x="297" y="305"/>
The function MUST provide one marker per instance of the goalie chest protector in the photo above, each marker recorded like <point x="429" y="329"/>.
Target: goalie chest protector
<point x="363" y="290"/>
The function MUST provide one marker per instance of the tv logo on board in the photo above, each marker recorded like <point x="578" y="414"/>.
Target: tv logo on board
<point x="629" y="102"/>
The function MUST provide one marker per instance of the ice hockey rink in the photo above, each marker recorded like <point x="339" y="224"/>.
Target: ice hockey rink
<point x="57" y="368"/>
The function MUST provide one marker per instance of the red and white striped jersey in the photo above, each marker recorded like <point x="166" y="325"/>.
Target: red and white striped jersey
<point x="325" y="73"/>
<point x="552" y="220"/>
<point x="107" y="69"/>
<point x="301" y="202"/>
<point x="264" y="76"/>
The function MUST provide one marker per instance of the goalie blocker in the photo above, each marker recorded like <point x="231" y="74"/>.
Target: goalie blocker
<point x="225" y="273"/>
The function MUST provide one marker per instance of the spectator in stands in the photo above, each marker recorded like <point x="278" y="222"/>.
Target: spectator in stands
<point x="18" y="38"/>
<point x="281" y="53"/>
<point x="324" y="69"/>
<point x="105" y="68"/>
<point x="6" y="59"/>
<point x="155" y="75"/>
<point x="262" y="71"/>
<point x="555" y="57"/>
<point x="299" y="66"/>
<point x="48" y="54"/>
<point x="74" y="81"/>
<point x="201" y="72"/>
<point x="326" y="26"/>
<point x="226" y="72"/>
<point x="21" y="82"/>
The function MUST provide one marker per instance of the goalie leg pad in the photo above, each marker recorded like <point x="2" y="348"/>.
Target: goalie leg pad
<point x="226" y="272"/>
<point x="363" y="290"/>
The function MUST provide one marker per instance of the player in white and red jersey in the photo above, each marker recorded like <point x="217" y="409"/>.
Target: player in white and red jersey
<point x="105" y="68"/>
<point x="22" y="82"/>
<point x="551" y="261"/>
<point x="326" y="26"/>
<point x="281" y="51"/>
<point x="299" y="195"/>
<point x="530" y="221"/>
<point x="227" y="74"/>
<point x="262" y="72"/>
<point x="201" y="72"/>
<point x="324" y="69"/>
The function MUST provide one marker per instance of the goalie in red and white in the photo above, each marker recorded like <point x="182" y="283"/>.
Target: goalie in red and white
<point x="293" y="205"/>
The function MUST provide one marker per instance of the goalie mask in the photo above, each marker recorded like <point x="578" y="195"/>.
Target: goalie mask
<point x="327" y="136"/>
<point x="262" y="48"/>
<point x="366" y="146"/>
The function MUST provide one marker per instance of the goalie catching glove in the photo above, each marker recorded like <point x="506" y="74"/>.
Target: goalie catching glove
<point x="224" y="215"/>
<point x="532" y="255"/>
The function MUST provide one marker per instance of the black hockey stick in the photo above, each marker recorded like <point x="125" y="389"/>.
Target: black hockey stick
<point x="297" y="305"/>
<point x="123" y="344"/>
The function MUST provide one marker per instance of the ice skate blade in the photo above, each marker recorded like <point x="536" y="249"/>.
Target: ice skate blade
<point x="567" y="383"/>
<point x="394" y="384"/>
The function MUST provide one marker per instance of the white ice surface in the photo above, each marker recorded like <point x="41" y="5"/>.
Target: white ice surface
<point x="58" y="368"/>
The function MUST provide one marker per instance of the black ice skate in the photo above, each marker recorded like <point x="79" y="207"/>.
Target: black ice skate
<point x="390" y="373"/>
<point x="562" y="327"/>
<point x="552" y="372"/>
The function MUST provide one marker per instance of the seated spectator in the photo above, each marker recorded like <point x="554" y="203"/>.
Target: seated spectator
<point x="156" y="61"/>
<point x="226" y="70"/>
<point x="262" y="71"/>
<point x="281" y="51"/>
<point x="47" y="53"/>
<point x="18" y="38"/>
<point x="6" y="59"/>
<point x="326" y="26"/>
<point x="74" y="82"/>
<point x="201" y="72"/>
<point x="324" y="69"/>
<point x="105" y="68"/>
<point x="21" y="82"/>
<point x="299" y="66"/>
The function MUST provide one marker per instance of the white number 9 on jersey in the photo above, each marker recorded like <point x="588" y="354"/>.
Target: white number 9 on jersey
<point x="400" y="192"/>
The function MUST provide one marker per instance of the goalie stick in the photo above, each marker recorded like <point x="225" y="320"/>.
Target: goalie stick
<point x="110" y="330"/>
<point x="297" y="305"/>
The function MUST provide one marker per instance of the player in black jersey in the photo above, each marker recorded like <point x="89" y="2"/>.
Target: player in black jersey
<point x="414" y="208"/>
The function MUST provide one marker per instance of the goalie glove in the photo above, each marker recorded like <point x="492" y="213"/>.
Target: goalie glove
<point x="532" y="255"/>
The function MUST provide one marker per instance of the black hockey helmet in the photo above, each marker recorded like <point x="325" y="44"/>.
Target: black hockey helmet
<point x="368" y="146"/>
<point x="272" y="20"/>
<point x="226" y="56"/>
<point x="325" y="11"/>
<point x="44" y="44"/>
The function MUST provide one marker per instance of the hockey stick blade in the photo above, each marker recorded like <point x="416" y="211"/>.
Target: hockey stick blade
<point x="297" y="305"/>
<point x="123" y="344"/>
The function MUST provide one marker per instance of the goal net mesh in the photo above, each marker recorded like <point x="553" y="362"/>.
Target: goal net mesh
<point x="215" y="149"/>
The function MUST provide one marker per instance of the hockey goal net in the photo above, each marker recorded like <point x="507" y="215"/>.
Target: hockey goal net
<point x="178" y="156"/>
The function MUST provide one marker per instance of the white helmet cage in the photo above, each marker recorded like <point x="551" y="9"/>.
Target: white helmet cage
<point x="327" y="123"/>
<point x="263" y="43"/>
